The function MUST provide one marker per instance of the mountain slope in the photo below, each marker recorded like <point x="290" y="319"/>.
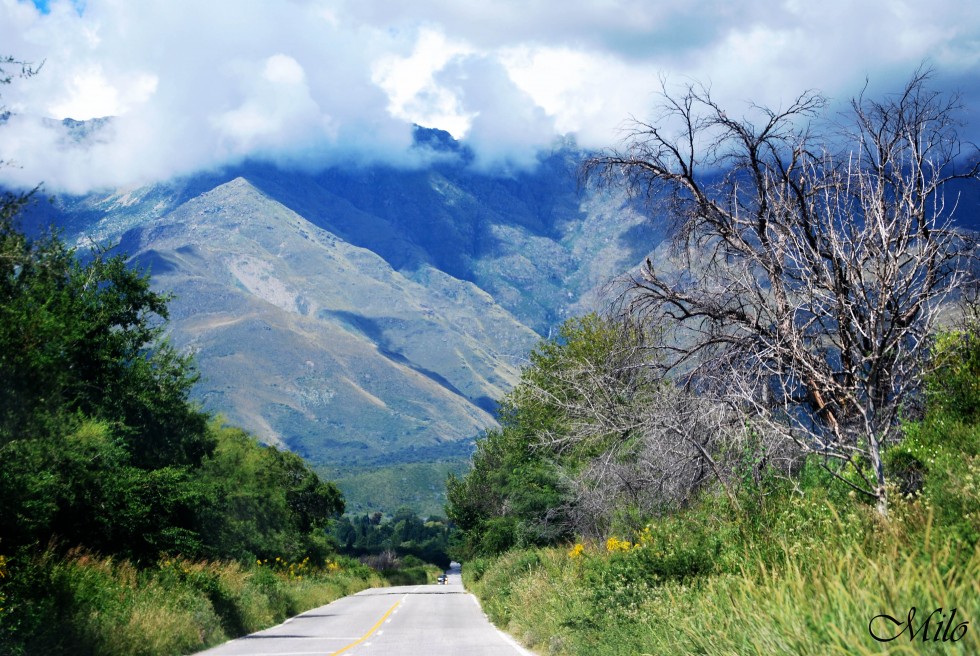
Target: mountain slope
<point x="533" y="240"/>
<point x="321" y="346"/>
<point x="367" y="317"/>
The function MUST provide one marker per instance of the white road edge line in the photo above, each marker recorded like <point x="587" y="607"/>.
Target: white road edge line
<point x="507" y="637"/>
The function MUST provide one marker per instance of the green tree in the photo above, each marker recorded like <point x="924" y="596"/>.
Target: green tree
<point x="515" y="494"/>
<point x="263" y="502"/>
<point x="100" y="445"/>
<point x="405" y="534"/>
<point x="85" y="337"/>
<point x="96" y="431"/>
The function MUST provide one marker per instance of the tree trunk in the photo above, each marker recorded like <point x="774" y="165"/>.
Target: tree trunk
<point x="881" y="492"/>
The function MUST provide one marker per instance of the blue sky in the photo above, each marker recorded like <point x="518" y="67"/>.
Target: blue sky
<point x="44" y="6"/>
<point x="196" y="84"/>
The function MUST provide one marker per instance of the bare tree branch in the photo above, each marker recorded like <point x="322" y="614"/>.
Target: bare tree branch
<point x="807" y="271"/>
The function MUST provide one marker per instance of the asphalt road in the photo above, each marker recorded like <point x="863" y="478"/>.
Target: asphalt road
<point x="422" y="620"/>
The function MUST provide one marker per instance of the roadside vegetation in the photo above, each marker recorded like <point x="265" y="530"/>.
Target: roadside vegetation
<point x="796" y="564"/>
<point x="93" y="605"/>
<point x="132" y="522"/>
<point x="770" y="443"/>
<point x="120" y="501"/>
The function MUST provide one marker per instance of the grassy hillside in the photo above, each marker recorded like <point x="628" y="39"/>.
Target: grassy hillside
<point x="813" y="588"/>
<point x="420" y="485"/>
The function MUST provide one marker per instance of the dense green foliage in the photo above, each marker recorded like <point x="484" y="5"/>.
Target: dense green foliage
<point x="96" y="434"/>
<point x="937" y="463"/>
<point x="99" y="443"/>
<point x="405" y="535"/>
<point x="102" y="451"/>
<point x="418" y="485"/>
<point x="796" y="565"/>
<point x="83" y="339"/>
<point x="514" y="494"/>
<point x="263" y="502"/>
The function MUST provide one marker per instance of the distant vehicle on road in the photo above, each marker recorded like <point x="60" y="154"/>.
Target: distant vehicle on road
<point x="443" y="579"/>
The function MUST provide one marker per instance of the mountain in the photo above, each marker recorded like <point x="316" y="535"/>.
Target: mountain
<point x="339" y="343"/>
<point x="367" y="318"/>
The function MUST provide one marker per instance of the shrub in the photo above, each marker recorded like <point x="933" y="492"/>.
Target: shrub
<point x="86" y="605"/>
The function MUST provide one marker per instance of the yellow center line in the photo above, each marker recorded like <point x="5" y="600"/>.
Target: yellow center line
<point x="370" y="632"/>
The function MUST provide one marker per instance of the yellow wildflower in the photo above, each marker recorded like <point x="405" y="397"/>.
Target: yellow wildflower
<point x="615" y="544"/>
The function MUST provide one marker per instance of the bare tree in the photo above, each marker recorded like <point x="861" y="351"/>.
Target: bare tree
<point x="806" y="271"/>
<point x="638" y="440"/>
<point x="11" y="68"/>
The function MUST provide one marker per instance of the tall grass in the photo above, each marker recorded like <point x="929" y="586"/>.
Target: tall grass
<point x="778" y="592"/>
<point x="91" y="606"/>
<point x="825" y="608"/>
<point x="801" y="566"/>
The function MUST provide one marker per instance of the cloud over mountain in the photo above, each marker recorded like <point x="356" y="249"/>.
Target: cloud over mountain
<point x="316" y="82"/>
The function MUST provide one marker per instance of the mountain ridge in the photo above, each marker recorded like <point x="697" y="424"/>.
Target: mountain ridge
<point x="224" y="272"/>
<point x="366" y="318"/>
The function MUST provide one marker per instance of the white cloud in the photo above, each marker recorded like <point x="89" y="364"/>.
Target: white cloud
<point x="276" y="112"/>
<point x="89" y="94"/>
<point x="413" y="93"/>
<point x="318" y="81"/>
<point x="507" y="128"/>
